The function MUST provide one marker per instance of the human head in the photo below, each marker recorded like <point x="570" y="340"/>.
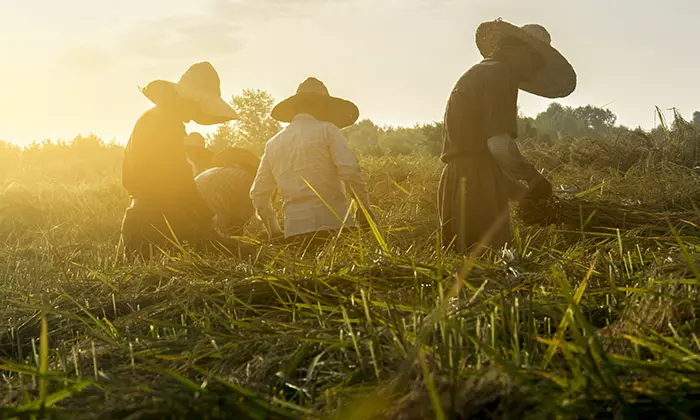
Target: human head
<point x="196" y="150"/>
<point x="182" y="108"/>
<point x="312" y="97"/>
<point x="236" y="156"/>
<point x="195" y="97"/>
<point x="519" y="56"/>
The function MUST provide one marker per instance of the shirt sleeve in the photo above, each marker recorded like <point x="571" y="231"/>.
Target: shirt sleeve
<point x="348" y="167"/>
<point x="459" y="116"/>
<point x="505" y="151"/>
<point x="499" y="103"/>
<point x="263" y="188"/>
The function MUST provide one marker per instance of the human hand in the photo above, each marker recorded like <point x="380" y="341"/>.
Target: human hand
<point x="539" y="188"/>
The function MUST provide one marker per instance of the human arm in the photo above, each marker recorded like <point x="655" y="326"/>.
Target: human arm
<point x="261" y="194"/>
<point x="507" y="154"/>
<point x="500" y="119"/>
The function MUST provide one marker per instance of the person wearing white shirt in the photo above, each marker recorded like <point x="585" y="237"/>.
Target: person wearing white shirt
<point x="312" y="166"/>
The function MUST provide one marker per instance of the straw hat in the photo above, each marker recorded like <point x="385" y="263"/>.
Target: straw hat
<point x="556" y="79"/>
<point x="195" y="140"/>
<point x="196" y="150"/>
<point x="200" y="85"/>
<point x="313" y="94"/>
<point x="237" y="156"/>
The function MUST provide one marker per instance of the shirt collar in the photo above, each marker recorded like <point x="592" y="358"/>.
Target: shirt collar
<point x="303" y="116"/>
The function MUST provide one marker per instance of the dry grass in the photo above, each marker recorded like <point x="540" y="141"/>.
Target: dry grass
<point x="360" y="328"/>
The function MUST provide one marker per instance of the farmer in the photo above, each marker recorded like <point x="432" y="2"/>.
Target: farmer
<point x="480" y="126"/>
<point x="155" y="170"/>
<point x="312" y="166"/>
<point x="198" y="156"/>
<point x="226" y="187"/>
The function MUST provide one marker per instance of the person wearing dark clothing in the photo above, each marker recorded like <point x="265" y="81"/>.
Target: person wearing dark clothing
<point x="166" y="206"/>
<point x="483" y="163"/>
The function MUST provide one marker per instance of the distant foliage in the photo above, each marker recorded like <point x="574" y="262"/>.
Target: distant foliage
<point x="562" y="121"/>
<point x="83" y="159"/>
<point x="586" y="136"/>
<point x="255" y="126"/>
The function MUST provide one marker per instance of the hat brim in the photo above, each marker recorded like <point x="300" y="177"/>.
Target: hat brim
<point x="340" y="112"/>
<point x="212" y="109"/>
<point x="556" y="79"/>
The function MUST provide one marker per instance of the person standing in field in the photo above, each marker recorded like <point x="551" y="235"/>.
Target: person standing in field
<point x="311" y="164"/>
<point x="198" y="156"/>
<point x="226" y="187"/>
<point x="155" y="170"/>
<point x="483" y="162"/>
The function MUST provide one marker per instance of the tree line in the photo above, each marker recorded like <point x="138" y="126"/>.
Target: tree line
<point x="88" y="154"/>
<point x="556" y="123"/>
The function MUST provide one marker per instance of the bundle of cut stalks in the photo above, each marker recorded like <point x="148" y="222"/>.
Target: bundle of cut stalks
<point x="580" y="214"/>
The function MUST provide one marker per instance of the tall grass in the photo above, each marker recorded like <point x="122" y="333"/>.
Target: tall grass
<point x="377" y="324"/>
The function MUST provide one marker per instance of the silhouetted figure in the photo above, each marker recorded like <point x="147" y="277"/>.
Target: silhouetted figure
<point x="481" y="123"/>
<point x="312" y="166"/>
<point x="226" y="188"/>
<point x="155" y="169"/>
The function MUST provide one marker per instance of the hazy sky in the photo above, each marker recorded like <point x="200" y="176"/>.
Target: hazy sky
<point x="74" y="66"/>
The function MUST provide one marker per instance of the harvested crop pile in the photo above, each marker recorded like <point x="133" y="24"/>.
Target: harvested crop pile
<point x="578" y="213"/>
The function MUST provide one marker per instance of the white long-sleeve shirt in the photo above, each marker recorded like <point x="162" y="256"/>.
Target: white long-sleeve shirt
<point x="306" y="160"/>
<point x="506" y="152"/>
<point x="513" y="164"/>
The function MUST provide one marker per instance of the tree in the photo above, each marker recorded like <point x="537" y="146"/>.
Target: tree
<point x="9" y="157"/>
<point x="526" y="128"/>
<point x="254" y="127"/>
<point x="402" y="141"/>
<point x="696" y="118"/>
<point x="364" y="136"/>
<point x="558" y="121"/>
<point x="597" y="120"/>
<point x="432" y="137"/>
<point x="587" y="121"/>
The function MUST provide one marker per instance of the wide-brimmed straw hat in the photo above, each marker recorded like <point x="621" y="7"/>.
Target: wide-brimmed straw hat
<point x="312" y="94"/>
<point x="195" y="140"/>
<point x="237" y="156"/>
<point x="200" y="85"/>
<point x="556" y="79"/>
<point x="196" y="149"/>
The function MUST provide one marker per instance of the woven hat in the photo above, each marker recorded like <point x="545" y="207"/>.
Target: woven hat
<point x="237" y="156"/>
<point x="556" y="79"/>
<point x="199" y="85"/>
<point x="195" y="140"/>
<point x="196" y="150"/>
<point x="312" y="94"/>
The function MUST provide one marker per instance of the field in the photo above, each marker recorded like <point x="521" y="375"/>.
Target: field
<point x="572" y="322"/>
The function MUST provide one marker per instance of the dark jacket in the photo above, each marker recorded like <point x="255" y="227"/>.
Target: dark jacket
<point x="155" y="169"/>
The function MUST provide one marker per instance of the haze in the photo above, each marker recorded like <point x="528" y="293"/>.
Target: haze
<point x="75" y="66"/>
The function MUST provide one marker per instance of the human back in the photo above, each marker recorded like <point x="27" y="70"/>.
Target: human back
<point x="483" y="104"/>
<point x="311" y="165"/>
<point x="303" y="166"/>
<point x="225" y="188"/>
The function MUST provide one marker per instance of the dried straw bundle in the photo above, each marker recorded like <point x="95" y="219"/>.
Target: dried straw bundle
<point x="577" y="213"/>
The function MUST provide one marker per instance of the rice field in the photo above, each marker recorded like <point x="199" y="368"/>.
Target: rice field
<point x="590" y="317"/>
